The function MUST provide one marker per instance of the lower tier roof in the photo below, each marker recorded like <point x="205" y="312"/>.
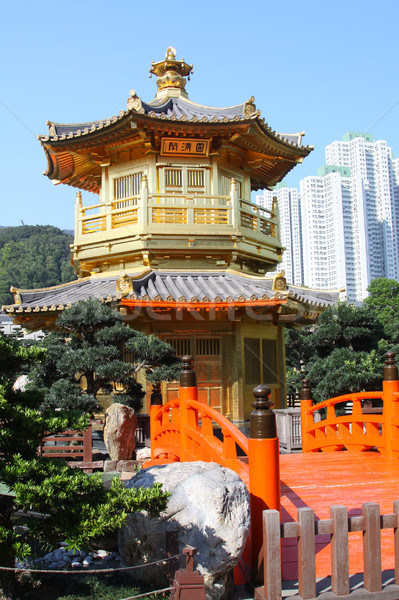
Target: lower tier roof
<point x="224" y="289"/>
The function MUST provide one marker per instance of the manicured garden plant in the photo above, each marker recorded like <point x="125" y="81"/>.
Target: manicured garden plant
<point x="88" y="349"/>
<point x="74" y="506"/>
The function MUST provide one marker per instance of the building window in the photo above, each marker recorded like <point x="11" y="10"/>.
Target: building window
<point x="260" y="361"/>
<point x="195" y="178"/>
<point x="173" y="178"/>
<point x="208" y="346"/>
<point x="128" y="186"/>
<point x="181" y="346"/>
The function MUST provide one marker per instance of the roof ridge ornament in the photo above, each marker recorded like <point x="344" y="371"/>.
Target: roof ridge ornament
<point x="134" y="102"/>
<point x="250" y="108"/>
<point x="171" y="75"/>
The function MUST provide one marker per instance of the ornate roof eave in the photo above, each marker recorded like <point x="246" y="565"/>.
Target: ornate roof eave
<point x="62" y="152"/>
<point x="96" y="134"/>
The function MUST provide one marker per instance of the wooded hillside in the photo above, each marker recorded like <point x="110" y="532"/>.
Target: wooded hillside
<point x="33" y="256"/>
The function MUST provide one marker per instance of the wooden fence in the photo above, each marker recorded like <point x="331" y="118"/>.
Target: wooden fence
<point x="338" y="527"/>
<point x="69" y="445"/>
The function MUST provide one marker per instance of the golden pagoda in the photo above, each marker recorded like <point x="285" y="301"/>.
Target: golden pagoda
<point x="174" y="240"/>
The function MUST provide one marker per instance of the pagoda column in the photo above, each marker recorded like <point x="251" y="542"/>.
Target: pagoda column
<point x="78" y="215"/>
<point x="234" y="204"/>
<point x="143" y="209"/>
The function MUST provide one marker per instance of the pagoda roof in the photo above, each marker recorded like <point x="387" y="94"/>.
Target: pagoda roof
<point x="181" y="109"/>
<point x="192" y="290"/>
<point x="75" y="152"/>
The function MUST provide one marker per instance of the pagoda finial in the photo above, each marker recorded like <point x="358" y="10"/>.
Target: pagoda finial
<point x="171" y="75"/>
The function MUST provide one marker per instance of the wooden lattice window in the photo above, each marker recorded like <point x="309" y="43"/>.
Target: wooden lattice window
<point x="127" y="186"/>
<point x="195" y="178"/>
<point x="127" y="355"/>
<point x="173" y="178"/>
<point x="181" y="346"/>
<point x="208" y="346"/>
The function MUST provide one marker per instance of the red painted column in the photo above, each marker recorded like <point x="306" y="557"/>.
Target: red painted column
<point x="188" y="391"/>
<point x="306" y="418"/>
<point x="156" y="404"/>
<point x="390" y="386"/>
<point x="264" y="468"/>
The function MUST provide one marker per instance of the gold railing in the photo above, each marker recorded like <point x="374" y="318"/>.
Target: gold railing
<point x="177" y="209"/>
<point x="257" y="218"/>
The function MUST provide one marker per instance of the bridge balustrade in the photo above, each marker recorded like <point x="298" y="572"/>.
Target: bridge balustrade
<point x="325" y="429"/>
<point x="184" y="430"/>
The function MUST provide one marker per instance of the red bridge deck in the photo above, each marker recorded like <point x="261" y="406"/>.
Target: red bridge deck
<point x="319" y="480"/>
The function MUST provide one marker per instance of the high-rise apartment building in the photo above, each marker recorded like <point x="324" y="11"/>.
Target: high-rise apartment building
<point x="290" y="230"/>
<point x="349" y="218"/>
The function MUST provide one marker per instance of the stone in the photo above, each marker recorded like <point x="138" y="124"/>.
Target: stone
<point x="109" y="557"/>
<point x="21" y="383"/>
<point x="120" y="425"/>
<point x="208" y="506"/>
<point x="76" y="553"/>
<point x="129" y="466"/>
<point x="110" y="465"/>
<point x="143" y="454"/>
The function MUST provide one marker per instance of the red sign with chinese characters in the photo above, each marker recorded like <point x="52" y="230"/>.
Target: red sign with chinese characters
<point x="184" y="147"/>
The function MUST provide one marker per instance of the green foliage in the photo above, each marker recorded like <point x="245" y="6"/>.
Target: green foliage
<point x="106" y="588"/>
<point x="344" y="371"/>
<point x="383" y="300"/>
<point x="78" y="507"/>
<point x="341" y="354"/>
<point x="33" y="257"/>
<point x="75" y="506"/>
<point x="88" y="350"/>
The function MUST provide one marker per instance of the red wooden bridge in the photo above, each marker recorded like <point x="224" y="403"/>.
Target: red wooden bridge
<point x="348" y="459"/>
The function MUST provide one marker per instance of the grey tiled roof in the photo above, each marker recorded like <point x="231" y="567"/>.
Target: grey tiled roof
<point x="180" y="109"/>
<point x="181" y="287"/>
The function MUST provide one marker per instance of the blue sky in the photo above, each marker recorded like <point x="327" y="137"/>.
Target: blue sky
<point x="325" y="68"/>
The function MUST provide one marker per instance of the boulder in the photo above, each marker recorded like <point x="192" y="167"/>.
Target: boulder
<point x="143" y="454"/>
<point x="208" y="507"/>
<point x="120" y="425"/>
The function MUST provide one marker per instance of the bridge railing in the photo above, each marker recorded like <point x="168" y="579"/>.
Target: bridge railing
<point x="361" y="430"/>
<point x="184" y="430"/>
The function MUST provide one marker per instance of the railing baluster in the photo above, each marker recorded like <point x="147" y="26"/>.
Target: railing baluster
<point x="306" y="554"/>
<point x="339" y="551"/>
<point x="396" y="540"/>
<point x="372" y="547"/>
<point x="271" y="556"/>
<point x="229" y="445"/>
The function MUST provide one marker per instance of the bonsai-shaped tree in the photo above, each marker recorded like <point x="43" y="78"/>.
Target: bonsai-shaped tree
<point x="85" y="357"/>
<point x="74" y="506"/>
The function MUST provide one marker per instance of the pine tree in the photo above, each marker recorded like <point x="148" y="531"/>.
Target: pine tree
<point x="85" y="358"/>
<point x="75" y="506"/>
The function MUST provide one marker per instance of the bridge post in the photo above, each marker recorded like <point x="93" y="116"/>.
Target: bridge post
<point x="156" y="403"/>
<point x="390" y="386"/>
<point x="306" y="418"/>
<point x="264" y="467"/>
<point x="188" y="391"/>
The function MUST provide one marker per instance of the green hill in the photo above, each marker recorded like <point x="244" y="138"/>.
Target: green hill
<point x="33" y="256"/>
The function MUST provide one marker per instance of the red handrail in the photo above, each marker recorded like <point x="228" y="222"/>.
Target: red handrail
<point x="359" y="430"/>
<point x="200" y="442"/>
<point x="183" y="430"/>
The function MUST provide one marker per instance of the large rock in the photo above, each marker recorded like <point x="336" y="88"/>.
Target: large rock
<point x="120" y="425"/>
<point x="208" y="506"/>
